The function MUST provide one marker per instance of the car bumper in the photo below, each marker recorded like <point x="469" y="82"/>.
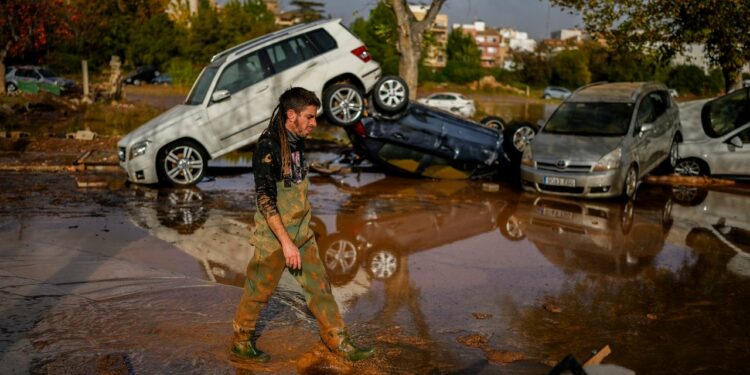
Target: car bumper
<point x="140" y="169"/>
<point x="589" y="185"/>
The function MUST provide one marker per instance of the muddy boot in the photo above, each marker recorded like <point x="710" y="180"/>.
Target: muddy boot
<point x="244" y="349"/>
<point x="338" y="342"/>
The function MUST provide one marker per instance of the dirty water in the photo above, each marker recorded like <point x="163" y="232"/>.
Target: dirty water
<point x="441" y="276"/>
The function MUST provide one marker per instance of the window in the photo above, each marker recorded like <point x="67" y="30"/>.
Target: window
<point x="595" y="119"/>
<point x="242" y="73"/>
<point x="480" y="39"/>
<point x="745" y="136"/>
<point x="322" y="40"/>
<point x="646" y="111"/>
<point x="726" y="113"/>
<point x="200" y="89"/>
<point x="491" y="50"/>
<point x="289" y="53"/>
<point x="28" y="73"/>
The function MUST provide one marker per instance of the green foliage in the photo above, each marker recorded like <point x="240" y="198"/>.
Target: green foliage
<point x="153" y="43"/>
<point x="569" y="68"/>
<point x="464" y="58"/>
<point x="183" y="71"/>
<point x="378" y="32"/>
<point x="532" y="68"/>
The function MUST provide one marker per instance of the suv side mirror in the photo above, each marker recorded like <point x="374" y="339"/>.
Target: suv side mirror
<point x="735" y="141"/>
<point x="220" y="95"/>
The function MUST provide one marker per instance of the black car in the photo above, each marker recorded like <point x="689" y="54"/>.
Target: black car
<point x="142" y="74"/>
<point x="409" y="138"/>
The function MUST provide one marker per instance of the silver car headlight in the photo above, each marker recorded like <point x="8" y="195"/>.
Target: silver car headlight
<point x="610" y="161"/>
<point x="139" y="149"/>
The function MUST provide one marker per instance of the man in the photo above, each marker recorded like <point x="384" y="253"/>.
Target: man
<point x="283" y="238"/>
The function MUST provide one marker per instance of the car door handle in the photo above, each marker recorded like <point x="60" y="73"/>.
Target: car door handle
<point x="263" y="89"/>
<point x="312" y="64"/>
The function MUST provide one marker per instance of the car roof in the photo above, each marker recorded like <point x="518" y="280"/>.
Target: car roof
<point x="621" y="92"/>
<point x="250" y="44"/>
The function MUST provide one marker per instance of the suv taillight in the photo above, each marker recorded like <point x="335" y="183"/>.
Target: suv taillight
<point x="362" y="53"/>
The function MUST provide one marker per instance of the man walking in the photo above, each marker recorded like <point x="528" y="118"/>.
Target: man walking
<point x="283" y="238"/>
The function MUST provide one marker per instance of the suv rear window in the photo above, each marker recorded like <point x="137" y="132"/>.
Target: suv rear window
<point x="289" y="53"/>
<point x="322" y="40"/>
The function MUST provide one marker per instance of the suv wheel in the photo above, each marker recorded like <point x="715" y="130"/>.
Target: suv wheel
<point x="494" y="122"/>
<point x="390" y="94"/>
<point x="516" y="137"/>
<point x="182" y="163"/>
<point x="343" y="104"/>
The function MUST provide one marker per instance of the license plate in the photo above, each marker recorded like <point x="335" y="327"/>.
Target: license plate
<point x="559" y="181"/>
<point x="558" y="214"/>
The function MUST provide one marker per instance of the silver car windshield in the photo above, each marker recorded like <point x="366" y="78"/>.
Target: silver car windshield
<point x="198" y="93"/>
<point x="593" y="119"/>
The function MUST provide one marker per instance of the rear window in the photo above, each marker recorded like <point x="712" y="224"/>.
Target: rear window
<point x="727" y="113"/>
<point x="323" y="41"/>
<point x="592" y="119"/>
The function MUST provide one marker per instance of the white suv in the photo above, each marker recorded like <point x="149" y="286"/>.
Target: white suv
<point x="231" y="102"/>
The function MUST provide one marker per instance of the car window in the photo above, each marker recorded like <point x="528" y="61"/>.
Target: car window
<point x="303" y="47"/>
<point x="594" y="119"/>
<point x="241" y="73"/>
<point x="646" y="111"/>
<point x="28" y="73"/>
<point x="723" y="115"/>
<point x="744" y="136"/>
<point x="198" y="93"/>
<point x="47" y="73"/>
<point x="660" y="106"/>
<point x="322" y="40"/>
<point x="284" y="55"/>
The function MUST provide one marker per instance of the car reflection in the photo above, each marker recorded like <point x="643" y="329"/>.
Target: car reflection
<point x="384" y="221"/>
<point x="606" y="237"/>
<point x="718" y="222"/>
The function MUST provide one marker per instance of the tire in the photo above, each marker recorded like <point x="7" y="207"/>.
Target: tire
<point x="181" y="209"/>
<point x="382" y="264"/>
<point x="509" y="225"/>
<point x="668" y="165"/>
<point x="494" y="122"/>
<point x="181" y="163"/>
<point x="339" y="255"/>
<point x="516" y="137"/>
<point x="390" y="95"/>
<point x="691" y="167"/>
<point x="689" y="195"/>
<point x="626" y="217"/>
<point x="10" y="87"/>
<point x="630" y="185"/>
<point x="343" y="104"/>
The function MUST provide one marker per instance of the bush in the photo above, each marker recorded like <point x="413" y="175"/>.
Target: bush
<point x="183" y="72"/>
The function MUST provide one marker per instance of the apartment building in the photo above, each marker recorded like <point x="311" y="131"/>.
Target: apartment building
<point x="436" y="56"/>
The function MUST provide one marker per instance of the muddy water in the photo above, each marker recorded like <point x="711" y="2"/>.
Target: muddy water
<point x="441" y="276"/>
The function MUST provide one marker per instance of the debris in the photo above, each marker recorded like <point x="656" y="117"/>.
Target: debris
<point x="598" y="356"/>
<point x="85" y="135"/>
<point x="481" y="316"/>
<point x="89" y="182"/>
<point x="474" y="340"/>
<point x="490" y="187"/>
<point x="502" y="356"/>
<point x="688" y="180"/>
<point x="651" y="316"/>
<point x="326" y="168"/>
<point x="552" y="308"/>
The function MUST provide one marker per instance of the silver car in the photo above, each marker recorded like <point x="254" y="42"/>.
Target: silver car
<point x="716" y="136"/>
<point x="602" y="140"/>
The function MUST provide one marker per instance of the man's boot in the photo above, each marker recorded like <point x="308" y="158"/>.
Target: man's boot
<point x="243" y="348"/>
<point x="340" y="344"/>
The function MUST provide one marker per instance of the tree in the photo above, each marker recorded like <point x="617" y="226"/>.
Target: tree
<point x="27" y="28"/>
<point x="669" y="26"/>
<point x="309" y="10"/>
<point x="570" y="68"/>
<point x="410" y="39"/>
<point x="379" y="34"/>
<point x="464" y="58"/>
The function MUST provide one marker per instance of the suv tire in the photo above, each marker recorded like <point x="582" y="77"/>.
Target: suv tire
<point x="516" y="138"/>
<point x="343" y="104"/>
<point x="181" y="163"/>
<point x="390" y="94"/>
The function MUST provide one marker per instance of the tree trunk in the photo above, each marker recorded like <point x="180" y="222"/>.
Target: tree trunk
<point x="732" y="78"/>
<point x="408" y="66"/>
<point x="3" y="53"/>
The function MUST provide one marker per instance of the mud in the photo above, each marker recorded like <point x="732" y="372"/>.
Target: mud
<point x="440" y="276"/>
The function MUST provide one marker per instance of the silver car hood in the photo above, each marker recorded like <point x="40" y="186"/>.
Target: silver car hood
<point x="554" y="147"/>
<point x="690" y="120"/>
<point x="159" y="123"/>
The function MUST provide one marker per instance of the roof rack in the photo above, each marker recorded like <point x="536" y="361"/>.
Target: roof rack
<point x="589" y="85"/>
<point x="264" y="38"/>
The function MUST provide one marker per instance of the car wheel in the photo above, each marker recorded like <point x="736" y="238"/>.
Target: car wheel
<point x="668" y="165"/>
<point x="182" y="163"/>
<point x="10" y="87"/>
<point x="383" y="264"/>
<point x="181" y="209"/>
<point x="666" y="215"/>
<point x="494" y="122"/>
<point x="339" y="254"/>
<point x="691" y="167"/>
<point x="689" y="195"/>
<point x="343" y="104"/>
<point x="626" y="220"/>
<point x="390" y="94"/>
<point x="516" y="138"/>
<point x="630" y="185"/>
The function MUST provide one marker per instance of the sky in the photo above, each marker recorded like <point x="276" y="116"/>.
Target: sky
<point x="536" y="17"/>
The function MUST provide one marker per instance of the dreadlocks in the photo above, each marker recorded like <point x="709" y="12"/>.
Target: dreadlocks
<point x="296" y="99"/>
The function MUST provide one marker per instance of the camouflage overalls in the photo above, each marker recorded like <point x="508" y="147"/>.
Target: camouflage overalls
<point x="268" y="263"/>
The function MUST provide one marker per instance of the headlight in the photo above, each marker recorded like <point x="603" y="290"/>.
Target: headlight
<point x="527" y="158"/>
<point x="139" y="149"/>
<point x="610" y="161"/>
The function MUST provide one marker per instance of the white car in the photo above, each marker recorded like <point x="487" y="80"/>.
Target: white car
<point x="232" y="100"/>
<point x="716" y="136"/>
<point x="451" y="102"/>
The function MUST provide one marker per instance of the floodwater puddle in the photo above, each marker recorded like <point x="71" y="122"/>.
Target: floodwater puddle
<point x="441" y="276"/>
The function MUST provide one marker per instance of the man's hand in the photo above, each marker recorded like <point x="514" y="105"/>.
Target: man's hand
<point x="292" y="256"/>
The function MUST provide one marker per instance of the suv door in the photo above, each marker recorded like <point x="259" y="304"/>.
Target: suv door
<point x="296" y="62"/>
<point x="727" y="159"/>
<point x="240" y="118"/>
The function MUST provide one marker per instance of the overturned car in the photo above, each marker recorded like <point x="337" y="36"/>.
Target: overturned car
<point x="412" y="139"/>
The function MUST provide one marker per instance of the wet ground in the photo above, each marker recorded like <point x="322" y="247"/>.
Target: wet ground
<point x="441" y="276"/>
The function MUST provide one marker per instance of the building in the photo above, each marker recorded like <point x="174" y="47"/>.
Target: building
<point x="436" y="56"/>
<point x="489" y="41"/>
<point x="517" y="40"/>
<point x="568" y="35"/>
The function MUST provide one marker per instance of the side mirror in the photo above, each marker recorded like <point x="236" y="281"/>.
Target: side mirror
<point x="220" y="95"/>
<point x="646" y="128"/>
<point x="540" y="123"/>
<point x="735" y="141"/>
